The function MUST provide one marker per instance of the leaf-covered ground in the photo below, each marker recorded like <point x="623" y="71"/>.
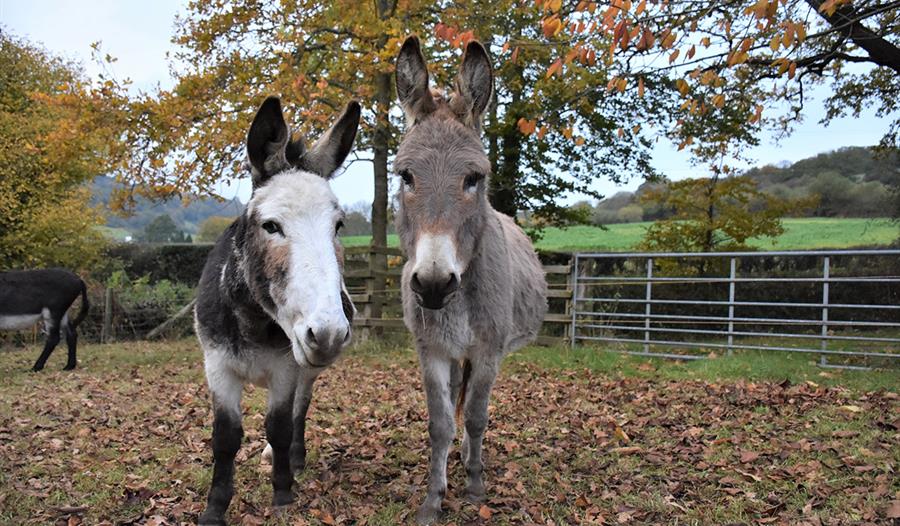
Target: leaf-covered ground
<point x="124" y="440"/>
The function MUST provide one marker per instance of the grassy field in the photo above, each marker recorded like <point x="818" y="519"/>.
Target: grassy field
<point x="800" y="234"/>
<point x="576" y="437"/>
<point x="115" y="234"/>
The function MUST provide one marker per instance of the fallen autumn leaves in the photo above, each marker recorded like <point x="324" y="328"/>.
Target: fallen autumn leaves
<point x="124" y="440"/>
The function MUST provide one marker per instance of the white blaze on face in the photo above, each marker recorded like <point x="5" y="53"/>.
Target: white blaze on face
<point x="305" y="208"/>
<point x="436" y="257"/>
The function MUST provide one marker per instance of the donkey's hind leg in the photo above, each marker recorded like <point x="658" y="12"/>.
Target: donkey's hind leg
<point x="71" y="343"/>
<point x="279" y="433"/>
<point x="52" y="326"/>
<point x="478" y="394"/>
<point x="226" y="440"/>
<point x="441" y="430"/>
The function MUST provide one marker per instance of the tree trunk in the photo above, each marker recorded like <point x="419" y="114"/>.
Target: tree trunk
<point x="503" y="195"/>
<point x="377" y="259"/>
<point x="504" y="183"/>
<point x="380" y="147"/>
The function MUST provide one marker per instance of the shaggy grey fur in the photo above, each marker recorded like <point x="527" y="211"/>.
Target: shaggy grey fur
<point x="487" y="297"/>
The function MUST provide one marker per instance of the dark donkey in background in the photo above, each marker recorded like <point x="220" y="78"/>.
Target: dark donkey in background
<point x="27" y="296"/>
<point x="473" y="288"/>
<point x="272" y="308"/>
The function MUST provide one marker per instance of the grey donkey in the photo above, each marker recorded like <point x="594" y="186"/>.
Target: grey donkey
<point x="272" y="308"/>
<point x="473" y="288"/>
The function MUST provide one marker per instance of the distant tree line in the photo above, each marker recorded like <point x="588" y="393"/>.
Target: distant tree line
<point x="163" y="230"/>
<point x="849" y="182"/>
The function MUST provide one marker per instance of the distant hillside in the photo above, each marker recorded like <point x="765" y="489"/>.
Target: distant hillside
<point x="850" y="182"/>
<point x="187" y="218"/>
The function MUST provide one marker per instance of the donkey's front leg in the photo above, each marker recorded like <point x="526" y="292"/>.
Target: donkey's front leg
<point x="280" y="433"/>
<point x="226" y="441"/>
<point x="302" y="398"/>
<point x="441" y="430"/>
<point x="478" y="394"/>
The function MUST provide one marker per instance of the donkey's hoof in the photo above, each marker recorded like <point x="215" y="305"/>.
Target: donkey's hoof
<point x="474" y="495"/>
<point x="283" y="498"/>
<point x="37" y="369"/>
<point x="210" y="519"/>
<point x="68" y="367"/>
<point x="428" y="514"/>
<point x="298" y="465"/>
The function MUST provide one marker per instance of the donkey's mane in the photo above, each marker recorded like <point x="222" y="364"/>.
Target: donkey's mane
<point x="452" y="105"/>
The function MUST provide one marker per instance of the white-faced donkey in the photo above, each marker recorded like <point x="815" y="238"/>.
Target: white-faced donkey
<point x="272" y="307"/>
<point x="473" y="288"/>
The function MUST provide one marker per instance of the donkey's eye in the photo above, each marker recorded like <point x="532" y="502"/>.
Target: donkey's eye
<point x="338" y="226"/>
<point x="471" y="182"/>
<point x="272" y="227"/>
<point x="407" y="178"/>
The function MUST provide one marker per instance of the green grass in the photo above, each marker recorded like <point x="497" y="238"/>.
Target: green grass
<point x="800" y="234"/>
<point x="821" y="232"/>
<point x="115" y="234"/>
<point x="361" y="241"/>
<point x="771" y="366"/>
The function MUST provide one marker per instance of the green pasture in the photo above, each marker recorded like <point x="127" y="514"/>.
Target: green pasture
<point x="800" y="234"/>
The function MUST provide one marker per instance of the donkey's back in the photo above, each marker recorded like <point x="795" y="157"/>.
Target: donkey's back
<point x="31" y="291"/>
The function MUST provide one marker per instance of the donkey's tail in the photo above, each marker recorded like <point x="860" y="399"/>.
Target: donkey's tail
<point x="461" y="401"/>
<point x="85" y="305"/>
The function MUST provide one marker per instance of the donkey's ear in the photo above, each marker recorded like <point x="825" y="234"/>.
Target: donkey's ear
<point x="475" y="81"/>
<point x="267" y="142"/>
<point x="412" y="81"/>
<point x="295" y="151"/>
<point x="329" y="152"/>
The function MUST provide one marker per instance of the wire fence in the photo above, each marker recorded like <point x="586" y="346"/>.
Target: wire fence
<point x="122" y="314"/>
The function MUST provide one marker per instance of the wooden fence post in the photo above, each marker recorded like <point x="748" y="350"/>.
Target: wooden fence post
<point x="568" y="329"/>
<point x="375" y="288"/>
<point x="106" y="331"/>
<point x="367" y="309"/>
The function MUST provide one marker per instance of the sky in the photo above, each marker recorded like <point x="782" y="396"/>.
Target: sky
<point x="139" y="36"/>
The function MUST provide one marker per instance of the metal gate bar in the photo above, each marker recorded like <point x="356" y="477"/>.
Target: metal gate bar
<point x="586" y="318"/>
<point x="755" y="321"/>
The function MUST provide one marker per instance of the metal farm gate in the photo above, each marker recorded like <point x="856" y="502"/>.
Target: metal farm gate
<point x="841" y="305"/>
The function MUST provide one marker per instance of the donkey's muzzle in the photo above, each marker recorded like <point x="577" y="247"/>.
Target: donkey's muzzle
<point x="431" y="292"/>
<point x="325" y="343"/>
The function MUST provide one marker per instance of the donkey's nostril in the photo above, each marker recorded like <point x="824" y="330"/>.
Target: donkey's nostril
<point x="415" y="283"/>
<point x="311" y="337"/>
<point x="452" y="284"/>
<point x="433" y="289"/>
